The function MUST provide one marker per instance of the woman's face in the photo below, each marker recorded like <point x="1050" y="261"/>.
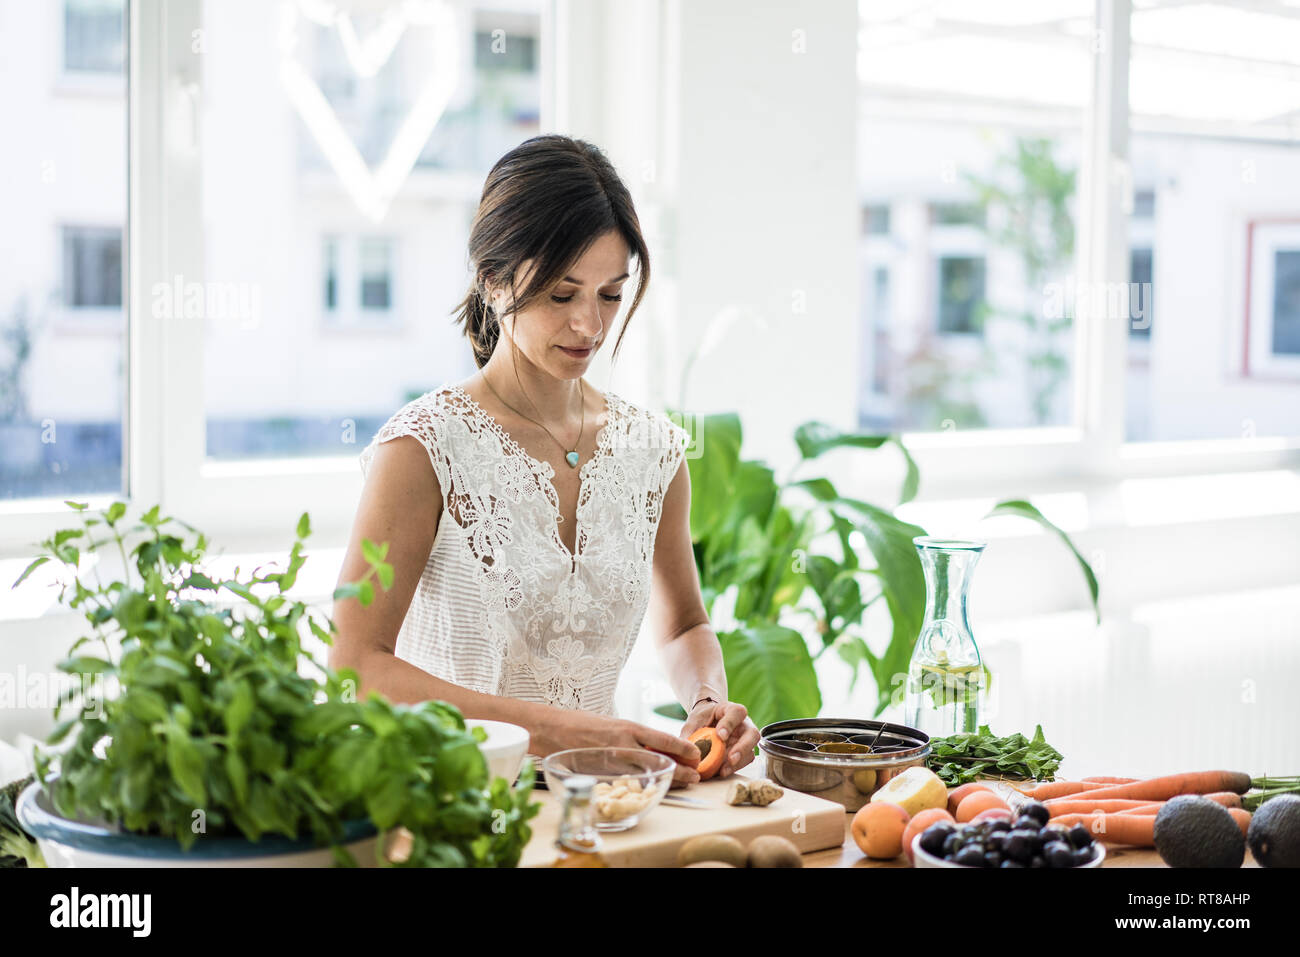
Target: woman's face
<point x="561" y="333"/>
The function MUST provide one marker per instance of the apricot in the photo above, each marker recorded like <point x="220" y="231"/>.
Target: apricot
<point x="878" y="829"/>
<point x="978" y="801"/>
<point x="956" y="795"/>
<point x="712" y="751"/>
<point x="920" y="822"/>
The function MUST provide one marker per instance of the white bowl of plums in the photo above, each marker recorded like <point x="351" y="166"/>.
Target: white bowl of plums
<point x="1027" y="839"/>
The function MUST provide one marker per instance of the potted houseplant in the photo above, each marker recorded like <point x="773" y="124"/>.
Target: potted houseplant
<point x="208" y="735"/>
<point x="773" y="554"/>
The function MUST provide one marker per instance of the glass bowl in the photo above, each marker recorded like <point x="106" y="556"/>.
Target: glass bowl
<point x="630" y="782"/>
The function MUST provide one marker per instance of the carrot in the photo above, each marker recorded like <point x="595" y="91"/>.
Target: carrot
<point x="1242" y="817"/>
<point x="1172" y="785"/>
<point x="1105" y="780"/>
<point x="1226" y="798"/>
<point x="1079" y="805"/>
<point x="1057" y="789"/>
<point x="1137" y="830"/>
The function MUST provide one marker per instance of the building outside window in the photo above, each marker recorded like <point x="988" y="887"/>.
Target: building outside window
<point x="92" y="267"/>
<point x="93" y="36"/>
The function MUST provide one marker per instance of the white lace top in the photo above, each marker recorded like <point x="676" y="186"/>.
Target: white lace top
<point x="502" y="607"/>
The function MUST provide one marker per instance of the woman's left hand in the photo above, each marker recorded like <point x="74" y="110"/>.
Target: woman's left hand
<point x="735" y="729"/>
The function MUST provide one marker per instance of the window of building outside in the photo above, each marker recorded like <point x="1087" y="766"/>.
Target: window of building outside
<point x="92" y="267"/>
<point x="94" y="34"/>
<point x="376" y="274"/>
<point x="330" y="270"/>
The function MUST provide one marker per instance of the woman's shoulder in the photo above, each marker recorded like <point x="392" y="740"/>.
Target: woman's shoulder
<point x="641" y="426"/>
<point x="423" y="417"/>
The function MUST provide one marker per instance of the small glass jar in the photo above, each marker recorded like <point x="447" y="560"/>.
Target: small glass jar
<point x="578" y="843"/>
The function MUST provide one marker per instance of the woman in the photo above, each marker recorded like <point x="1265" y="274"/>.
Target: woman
<point x="527" y="515"/>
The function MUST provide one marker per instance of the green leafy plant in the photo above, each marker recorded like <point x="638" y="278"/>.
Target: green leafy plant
<point x="781" y="559"/>
<point x="17" y="847"/>
<point x="217" y="721"/>
<point x="962" y="758"/>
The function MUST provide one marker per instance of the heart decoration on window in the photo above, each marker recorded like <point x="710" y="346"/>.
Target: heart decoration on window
<point x="372" y="190"/>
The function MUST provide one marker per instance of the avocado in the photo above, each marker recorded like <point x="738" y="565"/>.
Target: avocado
<point x="1274" y="834"/>
<point x="1193" y="831"/>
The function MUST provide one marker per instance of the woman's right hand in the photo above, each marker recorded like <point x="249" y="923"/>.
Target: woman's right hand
<point x="582" y="729"/>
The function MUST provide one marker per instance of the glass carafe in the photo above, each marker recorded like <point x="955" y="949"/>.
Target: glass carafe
<point x="945" y="677"/>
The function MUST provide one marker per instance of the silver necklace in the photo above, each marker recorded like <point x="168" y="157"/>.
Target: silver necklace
<point x="570" y="455"/>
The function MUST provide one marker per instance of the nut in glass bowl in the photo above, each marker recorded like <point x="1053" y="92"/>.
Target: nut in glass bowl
<point x="629" y="781"/>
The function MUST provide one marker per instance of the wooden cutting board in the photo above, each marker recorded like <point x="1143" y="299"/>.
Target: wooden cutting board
<point x="812" y="823"/>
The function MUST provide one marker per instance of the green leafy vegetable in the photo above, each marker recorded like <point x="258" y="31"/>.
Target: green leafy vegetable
<point x="962" y="758"/>
<point x="223" y="723"/>
<point x="17" y="847"/>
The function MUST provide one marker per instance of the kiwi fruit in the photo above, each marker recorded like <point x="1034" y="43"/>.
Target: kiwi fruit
<point x="768" y="850"/>
<point x="1274" y="833"/>
<point x="1193" y="831"/>
<point x="712" y="847"/>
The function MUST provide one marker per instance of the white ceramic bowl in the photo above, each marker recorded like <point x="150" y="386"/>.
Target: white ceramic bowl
<point x="922" y="858"/>
<point x="504" y="748"/>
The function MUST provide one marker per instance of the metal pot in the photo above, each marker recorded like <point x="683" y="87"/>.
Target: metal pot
<point x="847" y="779"/>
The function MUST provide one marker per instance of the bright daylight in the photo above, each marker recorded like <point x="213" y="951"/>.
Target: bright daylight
<point x="861" y="434"/>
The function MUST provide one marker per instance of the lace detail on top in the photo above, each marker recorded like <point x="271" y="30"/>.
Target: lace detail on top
<point x="502" y="606"/>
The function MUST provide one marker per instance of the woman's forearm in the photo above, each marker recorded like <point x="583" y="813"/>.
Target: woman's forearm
<point x="402" y="682"/>
<point x="693" y="663"/>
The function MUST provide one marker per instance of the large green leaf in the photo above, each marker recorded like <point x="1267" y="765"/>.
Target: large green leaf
<point x="1025" y="510"/>
<point x="902" y="583"/>
<point x="814" y="438"/>
<point x="770" y="672"/>
<point x="713" y="469"/>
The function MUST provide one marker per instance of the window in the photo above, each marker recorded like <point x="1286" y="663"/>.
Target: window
<point x="372" y="135"/>
<point x="376" y="274"/>
<point x="961" y="291"/>
<point x="92" y="268"/>
<point x="514" y="54"/>
<point x="1139" y="272"/>
<point x="1286" y="303"/>
<point x="956" y="214"/>
<point x="970" y="135"/>
<point x="1211" y="87"/>
<point x="330" y="267"/>
<point x="93" y="32"/>
<point x="875" y="219"/>
<point x="62" y="321"/>
<point x="1272" y="333"/>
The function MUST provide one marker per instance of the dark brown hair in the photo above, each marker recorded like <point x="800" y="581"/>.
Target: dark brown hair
<point x="547" y="200"/>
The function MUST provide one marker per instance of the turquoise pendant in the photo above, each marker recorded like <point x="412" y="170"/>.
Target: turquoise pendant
<point x="572" y="459"/>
